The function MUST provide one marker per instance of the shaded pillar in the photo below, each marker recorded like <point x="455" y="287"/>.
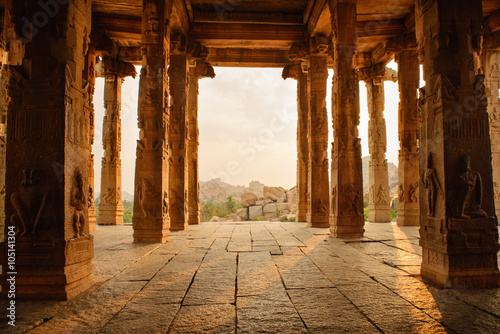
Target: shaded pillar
<point x="48" y="152"/>
<point x="378" y="200"/>
<point x="318" y="212"/>
<point x="408" y="120"/>
<point x="110" y="206"/>
<point x="296" y="72"/>
<point x="490" y="62"/>
<point x="458" y="226"/>
<point x="197" y="70"/>
<point x="4" y="105"/>
<point x="178" y="135"/>
<point x="151" y="217"/>
<point x="347" y="218"/>
<point x="90" y="60"/>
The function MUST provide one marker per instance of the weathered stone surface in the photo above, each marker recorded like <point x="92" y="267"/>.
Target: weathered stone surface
<point x="233" y="218"/>
<point x="254" y="212"/>
<point x="248" y="199"/>
<point x="242" y="214"/>
<point x="270" y="208"/>
<point x="205" y="319"/>
<point x="274" y="193"/>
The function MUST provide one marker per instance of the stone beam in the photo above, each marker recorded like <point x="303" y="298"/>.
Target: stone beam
<point x="313" y="13"/>
<point x="493" y="22"/>
<point x="119" y="26"/>
<point x="247" y="17"/>
<point x="235" y="57"/>
<point x="346" y="220"/>
<point x="458" y="233"/>
<point x="48" y="153"/>
<point x="180" y="9"/>
<point x="151" y="201"/>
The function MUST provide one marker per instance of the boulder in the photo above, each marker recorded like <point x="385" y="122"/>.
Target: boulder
<point x="248" y="199"/>
<point x="214" y="219"/>
<point x="282" y="206"/>
<point x="233" y="218"/>
<point x="260" y="202"/>
<point x="254" y="212"/>
<point x="271" y="208"/>
<point x="274" y="193"/>
<point x="242" y="213"/>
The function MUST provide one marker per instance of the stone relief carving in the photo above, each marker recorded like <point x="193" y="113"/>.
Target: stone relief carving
<point x="146" y="193"/>
<point x="165" y="202"/>
<point x="431" y="183"/>
<point x="322" y="208"/>
<point x="30" y="202"/>
<point x="353" y="197"/>
<point x="468" y="192"/>
<point x="78" y="202"/>
<point x="401" y="193"/>
<point x="382" y="195"/>
<point x="412" y="193"/>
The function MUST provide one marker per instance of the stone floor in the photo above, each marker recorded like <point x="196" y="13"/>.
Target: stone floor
<point x="261" y="277"/>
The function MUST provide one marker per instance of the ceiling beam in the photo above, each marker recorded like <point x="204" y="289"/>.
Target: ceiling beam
<point x="248" y="57"/>
<point x="493" y="22"/>
<point x="248" y="32"/>
<point x="182" y="14"/>
<point x="492" y="42"/>
<point x="247" y="17"/>
<point x="118" y="26"/>
<point x="380" y="28"/>
<point x="315" y="14"/>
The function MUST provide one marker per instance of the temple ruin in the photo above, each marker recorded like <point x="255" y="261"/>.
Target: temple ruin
<point x="449" y="130"/>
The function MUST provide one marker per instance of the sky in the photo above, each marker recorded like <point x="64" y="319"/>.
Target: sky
<point x="248" y="125"/>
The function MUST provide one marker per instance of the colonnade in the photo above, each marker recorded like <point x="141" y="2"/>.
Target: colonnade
<point x="50" y="122"/>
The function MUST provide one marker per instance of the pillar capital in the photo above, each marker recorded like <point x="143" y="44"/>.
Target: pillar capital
<point x="378" y="73"/>
<point x="319" y="45"/>
<point x="178" y="43"/>
<point x="110" y="66"/>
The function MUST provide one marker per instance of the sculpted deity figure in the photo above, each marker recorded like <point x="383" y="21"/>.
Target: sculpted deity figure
<point x="78" y="202"/>
<point x="469" y="192"/>
<point x="431" y="183"/>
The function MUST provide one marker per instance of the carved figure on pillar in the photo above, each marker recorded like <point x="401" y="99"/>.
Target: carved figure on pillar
<point x="455" y="129"/>
<point x="78" y="203"/>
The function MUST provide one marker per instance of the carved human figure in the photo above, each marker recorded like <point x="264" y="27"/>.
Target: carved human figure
<point x="412" y="193"/>
<point x="401" y="193"/>
<point x="468" y="192"/>
<point x="146" y="194"/>
<point x="29" y="203"/>
<point x="322" y="207"/>
<point x="109" y="196"/>
<point x="431" y="183"/>
<point x="78" y="203"/>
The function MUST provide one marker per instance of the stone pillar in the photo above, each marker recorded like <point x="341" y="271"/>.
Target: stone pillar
<point x="89" y="106"/>
<point x="178" y="74"/>
<point x="408" y="120"/>
<point x="318" y="212"/>
<point x="48" y="152"/>
<point x="347" y="218"/>
<point x="378" y="200"/>
<point x="197" y="70"/>
<point x="110" y="206"/>
<point x="4" y="105"/>
<point x="151" y="217"/>
<point x="298" y="71"/>
<point x="491" y="66"/>
<point x="458" y="233"/>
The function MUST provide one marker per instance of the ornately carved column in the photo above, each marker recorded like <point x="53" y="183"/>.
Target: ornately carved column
<point x="408" y="171"/>
<point x="379" y="200"/>
<point x="178" y="136"/>
<point x="151" y="217"/>
<point x="89" y="74"/>
<point x="491" y="66"/>
<point x="48" y="152"/>
<point x="4" y="106"/>
<point x="110" y="206"/>
<point x="197" y="70"/>
<point x="318" y="212"/>
<point x="298" y="71"/>
<point x="458" y="233"/>
<point x="347" y="218"/>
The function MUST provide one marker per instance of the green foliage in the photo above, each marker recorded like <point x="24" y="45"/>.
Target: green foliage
<point x="128" y="211"/>
<point x="283" y="219"/>
<point x="292" y="219"/>
<point x="277" y="213"/>
<point x="366" y="212"/>
<point x="394" y="214"/>
<point x="210" y="209"/>
<point x="260" y="219"/>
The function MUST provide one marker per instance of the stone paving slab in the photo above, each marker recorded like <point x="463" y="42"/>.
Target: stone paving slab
<point x="261" y="277"/>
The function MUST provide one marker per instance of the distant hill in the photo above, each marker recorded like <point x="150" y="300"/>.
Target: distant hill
<point x="216" y="190"/>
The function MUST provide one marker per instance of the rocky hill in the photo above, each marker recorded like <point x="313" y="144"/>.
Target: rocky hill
<point x="216" y="190"/>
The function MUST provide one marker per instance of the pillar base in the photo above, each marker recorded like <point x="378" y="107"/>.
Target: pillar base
<point x="317" y="221"/>
<point x="472" y="279"/>
<point x="408" y="219"/>
<point x="194" y="220"/>
<point x="151" y="229"/>
<point x="112" y="216"/>
<point x="301" y="217"/>
<point x="52" y="270"/>
<point x="178" y="227"/>
<point x="347" y="227"/>
<point x="378" y="214"/>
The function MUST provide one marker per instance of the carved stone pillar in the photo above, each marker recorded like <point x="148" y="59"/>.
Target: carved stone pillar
<point x="110" y="206"/>
<point x="298" y="71"/>
<point x="89" y="107"/>
<point x="48" y="152"/>
<point x="491" y="66"/>
<point x="347" y="218"/>
<point x="318" y="212"/>
<point x="458" y="233"/>
<point x="197" y="70"/>
<point x="4" y="105"/>
<point x="408" y="172"/>
<point x="378" y="199"/>
<point x="151" y="217"/>
<point x="178" y="74"/>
